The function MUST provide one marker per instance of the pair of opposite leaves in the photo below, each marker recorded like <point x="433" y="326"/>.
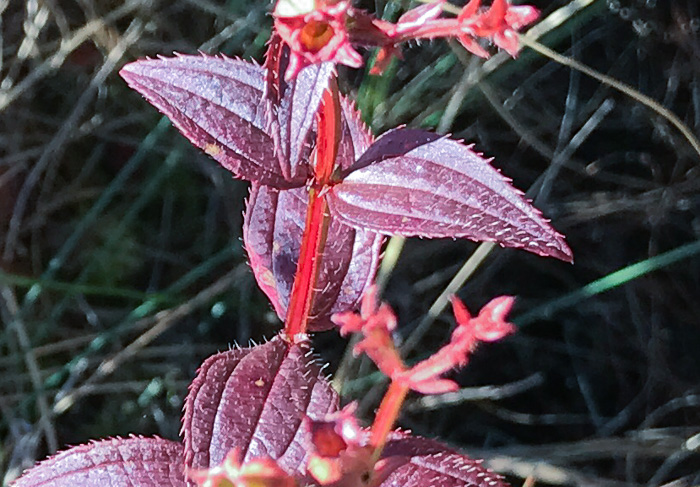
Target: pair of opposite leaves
<point x="255" y="400"/>
<point x="408" y="182"/>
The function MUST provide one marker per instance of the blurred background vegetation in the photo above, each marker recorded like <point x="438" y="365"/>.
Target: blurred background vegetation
<point x="121" y="265"/>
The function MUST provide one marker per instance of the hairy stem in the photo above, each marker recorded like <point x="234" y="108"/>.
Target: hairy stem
<point x="307" y="268"/>
<point x="386" y="416"/>
<point x="317" y="216"/>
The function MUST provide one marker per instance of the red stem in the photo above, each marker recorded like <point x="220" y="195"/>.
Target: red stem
<point x="317" y="216"/>
<point x="328" y="136"/>
<point x="386" y="416"/>
<point x="309" y="257"/>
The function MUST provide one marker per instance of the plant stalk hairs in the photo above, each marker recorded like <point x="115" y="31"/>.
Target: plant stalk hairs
<point x="324" y="194"/>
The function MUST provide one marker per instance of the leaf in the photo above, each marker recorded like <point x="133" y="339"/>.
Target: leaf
<point x="409" y="182"/>
<point x="292" y="105"/>
<point x="418" y="16"/>
<point x="394" y="143"/>
<point x="297" y="113"/>
<point x="255" y="399"/>
<point x="355" y="137"/>
<point x="272" y="233"/>
<point x="412" y="461"/>
<point x="273" y="229"/>
<point x="218" y="104"/>
<point x="136" y="461"/>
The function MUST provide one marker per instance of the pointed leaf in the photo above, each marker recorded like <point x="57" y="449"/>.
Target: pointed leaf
<point x="355" y="136"/>
<point x="418" y="16"/>
<point x="439" y="188"/>
<point x="136" y="461"/>
<point x="416" y="462"/>
<point x="394" y="143"/>
<point x="297" y="113"/>
<point x="217" y="104"/>
<point x="272" y="233"/>
<point x="273" y="230"/>
<point x="255" y="399"/>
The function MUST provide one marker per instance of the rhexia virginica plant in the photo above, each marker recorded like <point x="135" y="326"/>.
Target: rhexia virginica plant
<point x="323" y="195"/>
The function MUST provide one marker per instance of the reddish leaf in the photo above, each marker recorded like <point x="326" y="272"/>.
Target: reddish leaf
<point x="393" y="144"/>
<point x="418" y="16"/>
<point x="273" y="229"/>
<point x="142" y="462"/>
<point x="255" y="399"/>
<point x="417" y="462"/>
<point x="296" y="114"/>
<point x="355" y="137"/>
<point x="438" y="187"/>
<point x="217" y="103"/>
<point x="272" y="232"/>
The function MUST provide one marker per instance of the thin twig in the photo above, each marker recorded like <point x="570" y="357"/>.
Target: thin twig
<point x="466" y="394"/>
<point x="54" y="148"/>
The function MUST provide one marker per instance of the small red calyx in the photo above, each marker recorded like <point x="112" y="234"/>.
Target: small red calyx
<point x="260" y="472"/>
<point x="488" y="326"/>
<point x="377" y="324"/>
<point x="341" y="455"/>
<point x="499" y="23"/>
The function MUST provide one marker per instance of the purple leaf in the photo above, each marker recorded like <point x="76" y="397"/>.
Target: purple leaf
<point x="296" y="114"/>
<point x="255" y="399"/>
<point x="272" y="232"/>
<point x="355" y="137"/>
<point x="394" y="143"/>
<point x="136" y="461"/>
<point x="439" y="188"/>
<point x="416" y="462"/>
<point x="218" y="104"/>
